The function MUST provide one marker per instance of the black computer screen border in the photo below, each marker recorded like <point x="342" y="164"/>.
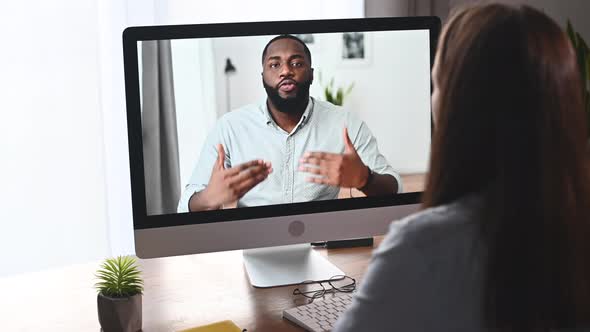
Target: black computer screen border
<point x="131" y="35"/>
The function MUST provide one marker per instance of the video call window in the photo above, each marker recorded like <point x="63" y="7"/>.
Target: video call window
<point x="199" y="93"/>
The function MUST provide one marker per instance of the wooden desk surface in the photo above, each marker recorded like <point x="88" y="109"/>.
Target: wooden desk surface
<point x="180" y="292"/>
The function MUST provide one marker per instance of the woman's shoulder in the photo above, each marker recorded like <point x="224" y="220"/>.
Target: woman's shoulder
<point x="436" y="226"/>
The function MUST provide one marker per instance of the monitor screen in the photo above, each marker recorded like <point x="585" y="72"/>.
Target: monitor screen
<point x="255" y="121"/>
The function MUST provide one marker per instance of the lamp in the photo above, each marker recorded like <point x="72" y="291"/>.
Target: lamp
<point x="230" y="69"/>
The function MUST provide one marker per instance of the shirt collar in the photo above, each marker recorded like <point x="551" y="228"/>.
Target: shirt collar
<point x="304" y="118"/>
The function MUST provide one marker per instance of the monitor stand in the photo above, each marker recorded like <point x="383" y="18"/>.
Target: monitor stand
<point x="287" y="265"/>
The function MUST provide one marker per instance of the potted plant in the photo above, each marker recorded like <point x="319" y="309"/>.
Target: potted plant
<point x="335" y="96"/>
<point x="120" y="287"/>
<point x="583" y="54"/>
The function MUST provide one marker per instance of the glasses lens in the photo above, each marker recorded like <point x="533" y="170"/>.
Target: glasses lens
<point x="310" y="289"/>
<point x="343" y="283"/>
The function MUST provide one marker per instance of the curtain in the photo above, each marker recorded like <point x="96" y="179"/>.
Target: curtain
<point x="160" y="137"/>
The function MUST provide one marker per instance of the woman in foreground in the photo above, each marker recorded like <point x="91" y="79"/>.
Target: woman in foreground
<point x="503" y="241"/>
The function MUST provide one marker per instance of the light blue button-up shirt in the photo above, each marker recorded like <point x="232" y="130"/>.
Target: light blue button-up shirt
<point x="250" y="133"/>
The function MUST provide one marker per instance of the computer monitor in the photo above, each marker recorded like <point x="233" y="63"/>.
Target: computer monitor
<point x="286" y="175"/>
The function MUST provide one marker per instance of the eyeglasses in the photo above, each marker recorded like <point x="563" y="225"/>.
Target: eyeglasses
<point x="313" y="289"/>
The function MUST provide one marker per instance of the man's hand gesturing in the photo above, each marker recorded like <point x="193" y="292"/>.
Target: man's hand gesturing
<point x="334" y="169"/>
<point x="229" y="185"/>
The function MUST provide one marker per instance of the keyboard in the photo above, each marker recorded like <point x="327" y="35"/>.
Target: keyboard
<point x="321" y="314"/>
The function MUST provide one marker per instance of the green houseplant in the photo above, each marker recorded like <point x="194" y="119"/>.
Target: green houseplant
<point x="583" y="54"/>
<point x="120" y="287"/>
<point x="335" y="95"/>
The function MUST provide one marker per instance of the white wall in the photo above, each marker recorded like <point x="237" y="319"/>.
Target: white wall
<point x="391" y="92"/>
<point x="191" y="11"/>
<point x="196" y="112"/>
<point x="51" y="136"/>
<point x="245" y="85"/>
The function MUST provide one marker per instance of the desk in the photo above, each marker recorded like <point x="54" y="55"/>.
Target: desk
<point x="411" y="183"/>
<point x="180" y="292"/>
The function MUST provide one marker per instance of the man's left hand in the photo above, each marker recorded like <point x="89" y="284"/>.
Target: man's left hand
<point x="334" y="169"/>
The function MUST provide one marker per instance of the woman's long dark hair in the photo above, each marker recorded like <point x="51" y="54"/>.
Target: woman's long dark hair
<point x="510" y="125"/>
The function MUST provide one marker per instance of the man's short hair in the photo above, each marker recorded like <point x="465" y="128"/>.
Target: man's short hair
<point x="307" y="52"/>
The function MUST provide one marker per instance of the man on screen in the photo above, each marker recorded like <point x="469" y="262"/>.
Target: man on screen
<point x="290" y="148"/>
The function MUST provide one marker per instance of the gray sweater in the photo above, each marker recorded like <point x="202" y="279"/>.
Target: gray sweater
<point x="425" y="276"/>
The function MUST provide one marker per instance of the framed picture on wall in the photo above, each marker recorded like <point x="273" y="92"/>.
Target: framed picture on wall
<point x="355" y="48"/>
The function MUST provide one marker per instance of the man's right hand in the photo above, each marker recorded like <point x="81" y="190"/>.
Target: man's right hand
<point x="231" y="184"/>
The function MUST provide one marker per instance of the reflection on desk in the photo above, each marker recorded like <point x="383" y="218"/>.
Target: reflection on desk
<point x="180" y="292"/>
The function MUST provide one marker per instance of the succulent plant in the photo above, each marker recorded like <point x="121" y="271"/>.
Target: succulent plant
<point x="119" y="277"/>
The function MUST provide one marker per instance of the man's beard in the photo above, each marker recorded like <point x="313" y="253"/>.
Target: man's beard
<point x="291" y="104"/>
